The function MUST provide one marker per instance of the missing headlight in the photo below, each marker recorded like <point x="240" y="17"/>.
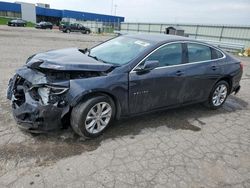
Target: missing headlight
<point x="56" y="90"/>
<point x="44" y="94"/>
<point x="51" y="94"/>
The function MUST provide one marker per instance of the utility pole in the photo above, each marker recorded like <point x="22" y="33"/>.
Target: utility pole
<point x="115" y="8"/>
<point x="112" y="4"/>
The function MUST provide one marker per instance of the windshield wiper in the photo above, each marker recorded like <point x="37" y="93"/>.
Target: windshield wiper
<point x="84" y="51"/>
<point x="94" y="57"/>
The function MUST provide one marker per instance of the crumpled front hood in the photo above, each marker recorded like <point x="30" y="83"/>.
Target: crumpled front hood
<point x="70" y="59"/>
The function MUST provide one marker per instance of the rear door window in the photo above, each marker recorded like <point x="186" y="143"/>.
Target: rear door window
<point x="198" y="52"/>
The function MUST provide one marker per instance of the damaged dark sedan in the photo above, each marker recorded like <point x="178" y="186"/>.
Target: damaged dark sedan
<point x="128" y="75"/>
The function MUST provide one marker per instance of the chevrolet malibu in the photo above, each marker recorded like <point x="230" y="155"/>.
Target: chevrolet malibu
<point x="127" y="75"/>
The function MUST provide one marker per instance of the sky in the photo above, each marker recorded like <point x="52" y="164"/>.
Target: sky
<point x="162" y="11"/>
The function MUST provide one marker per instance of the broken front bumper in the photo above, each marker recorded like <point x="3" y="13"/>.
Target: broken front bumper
<point x="29" y="112"/>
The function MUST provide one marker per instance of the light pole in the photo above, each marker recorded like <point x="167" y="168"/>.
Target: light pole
<point x="112" y="4"/>
<point x="115" y="8"/>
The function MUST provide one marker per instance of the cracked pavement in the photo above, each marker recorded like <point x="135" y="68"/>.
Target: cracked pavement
<point x="185" y="147"/>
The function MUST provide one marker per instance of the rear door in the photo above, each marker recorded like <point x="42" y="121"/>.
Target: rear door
<point x="159" y="87"/>
<point x="201" y="71"/>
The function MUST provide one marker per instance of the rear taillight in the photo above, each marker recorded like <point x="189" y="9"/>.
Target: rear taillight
<point x="241" y="66"/>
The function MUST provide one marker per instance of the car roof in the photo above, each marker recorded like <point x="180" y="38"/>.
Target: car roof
<point x="158" y="38"/>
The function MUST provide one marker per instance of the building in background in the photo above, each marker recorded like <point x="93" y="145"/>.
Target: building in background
<point x="43" y="12"/>
<point x="43" y="5"/>
<point x="28" y="11"/>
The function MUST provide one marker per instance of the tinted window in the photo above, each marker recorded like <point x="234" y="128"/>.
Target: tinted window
<point x="168" y="55"/>
<point x="198" y="52"/>
<point x="216" y="54"/>
<point x="20" y="21"/>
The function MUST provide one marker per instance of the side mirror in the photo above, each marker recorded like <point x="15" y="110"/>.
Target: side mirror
<point x="148" y="66"/>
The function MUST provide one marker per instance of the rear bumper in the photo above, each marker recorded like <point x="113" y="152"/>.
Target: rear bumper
<point x="236" y="89"/>
<point x="236" y="78"/>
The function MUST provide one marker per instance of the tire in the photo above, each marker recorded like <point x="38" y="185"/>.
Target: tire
<point x="217" y="97"/>
<point x="88" y="108"/>
<point x="67" y="31"/>
<point x="87" y="32"/>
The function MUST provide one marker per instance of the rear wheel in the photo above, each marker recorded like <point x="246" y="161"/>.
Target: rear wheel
<point x="93" y="116"/>
<point x="67" y="31"/>
<point x="218" y="95"/>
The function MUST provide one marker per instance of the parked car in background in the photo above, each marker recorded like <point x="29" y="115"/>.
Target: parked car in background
<point x="17" y="23"/>
<point x="44" y="25"/>
<point x="128" y="75"/>
<point x="74" y="27"/>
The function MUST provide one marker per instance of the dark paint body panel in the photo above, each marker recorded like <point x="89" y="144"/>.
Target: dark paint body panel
<point x="133" y="92"/>
<point x="115" y="84"/>
<point x="160" y="87"/>
<point x="70" y="59"/>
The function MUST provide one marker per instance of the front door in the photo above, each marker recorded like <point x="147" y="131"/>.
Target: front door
<point x="160" y="87"/>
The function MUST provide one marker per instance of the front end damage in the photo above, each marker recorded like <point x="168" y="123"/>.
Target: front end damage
<point x="37" y="104"/>
<point x="40" y="90"/>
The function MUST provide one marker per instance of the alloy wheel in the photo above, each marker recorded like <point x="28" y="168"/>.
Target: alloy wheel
<point x="98" y="117"/>
<point x="219" y="95"/>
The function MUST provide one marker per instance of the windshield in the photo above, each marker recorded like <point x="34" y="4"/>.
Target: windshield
<point x="120" y="50"/>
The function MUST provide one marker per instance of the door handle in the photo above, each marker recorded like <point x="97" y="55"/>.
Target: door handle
<point x="179" y="73"/>
<point x="214" y="67"/>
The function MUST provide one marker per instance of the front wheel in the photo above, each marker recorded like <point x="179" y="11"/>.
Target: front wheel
<point x="90" y="118"/>
<point x="218" y="95"/>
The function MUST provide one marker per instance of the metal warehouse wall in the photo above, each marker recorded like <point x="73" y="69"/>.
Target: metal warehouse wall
<point x="12" y="7"/>
<point x="222" y="33"/>
<point x="48" y="12"/>
<point x="91" y="16"/>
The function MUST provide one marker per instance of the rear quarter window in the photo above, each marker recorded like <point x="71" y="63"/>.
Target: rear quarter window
<point x="216" y="54"/>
